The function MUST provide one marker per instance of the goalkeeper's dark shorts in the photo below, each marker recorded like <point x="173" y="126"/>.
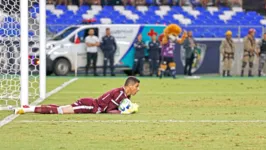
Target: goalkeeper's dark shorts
<point x="85" y="105"/>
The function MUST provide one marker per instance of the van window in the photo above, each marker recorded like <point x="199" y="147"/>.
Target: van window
<point x="64" y="34"/>
<point x="83" y="34"/>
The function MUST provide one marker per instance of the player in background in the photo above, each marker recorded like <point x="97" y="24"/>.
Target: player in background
<point x="106" y="103"/>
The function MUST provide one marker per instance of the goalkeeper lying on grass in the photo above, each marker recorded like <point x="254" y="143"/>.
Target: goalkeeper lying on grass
<point x="115" y="101"/>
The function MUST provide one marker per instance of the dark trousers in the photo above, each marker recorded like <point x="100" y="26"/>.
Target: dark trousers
<point x="188" y="65"/>
<point x="154" y="64"/>
<point x="108" y="58"/>
<point x="138" y="66"/>
<point x="91" y="57"/>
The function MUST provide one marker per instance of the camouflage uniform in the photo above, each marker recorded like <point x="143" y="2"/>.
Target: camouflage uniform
<point x="227" y="49"/>
<point x="249" y="54"/>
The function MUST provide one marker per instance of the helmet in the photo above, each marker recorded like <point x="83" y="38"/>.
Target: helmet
<point x="228" y="32"/>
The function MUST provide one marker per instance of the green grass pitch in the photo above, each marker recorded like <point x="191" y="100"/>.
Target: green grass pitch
<point x="206" y="113"/>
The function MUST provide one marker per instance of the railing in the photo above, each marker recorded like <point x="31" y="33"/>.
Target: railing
<point x="199" y="31"/>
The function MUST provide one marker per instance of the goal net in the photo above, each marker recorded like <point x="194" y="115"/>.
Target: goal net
<point x="19" y="53"/>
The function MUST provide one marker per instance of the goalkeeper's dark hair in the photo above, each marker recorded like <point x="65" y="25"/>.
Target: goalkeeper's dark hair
<point x="131" y="81"/>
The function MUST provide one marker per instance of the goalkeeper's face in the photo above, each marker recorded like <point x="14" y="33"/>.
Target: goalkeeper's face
<point x="134" y="88"/>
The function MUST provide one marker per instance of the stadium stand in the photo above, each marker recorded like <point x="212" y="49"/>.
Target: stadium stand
<point x="207" y="23"/>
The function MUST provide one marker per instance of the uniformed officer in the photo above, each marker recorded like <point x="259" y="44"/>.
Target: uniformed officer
<point x="154" y="53"/>
<point x="139" y="46"/>
<point x="262" y="54"/>
<point x="108" y="46"/>
<point x="227" y="49"/>
<point x="249" y="51"/>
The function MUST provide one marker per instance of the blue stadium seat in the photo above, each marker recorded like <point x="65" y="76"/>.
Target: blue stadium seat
<point x="110" y="8"/>
<point x="62" y="7"/>
<point x="83" y="9"/>
<point x="48" y="12"/>
<point x="149" y="2"/>
<point x="251" y="13"/>
<point x="176" y="9"/>
<point x="153" y="8"/>
<point x="117" y="21"/>
<point x="224" y="8"/>
<point x="149" y="17"/>
<point x="141" y="21"/>
<point x="129" y="7"/>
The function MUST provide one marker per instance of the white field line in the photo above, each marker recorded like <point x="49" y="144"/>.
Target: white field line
<point x="39" y="100"/>
<point x="140" y="121"/>
<point x="166" y="93"/>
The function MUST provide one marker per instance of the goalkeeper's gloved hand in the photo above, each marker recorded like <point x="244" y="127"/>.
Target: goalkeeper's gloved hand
<point x="134" y="107"/>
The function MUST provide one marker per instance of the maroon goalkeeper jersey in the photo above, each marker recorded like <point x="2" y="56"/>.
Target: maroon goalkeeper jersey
<point x="110" y="100"/>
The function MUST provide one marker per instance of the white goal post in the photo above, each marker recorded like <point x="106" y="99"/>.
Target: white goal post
<point x="22" y="67"/>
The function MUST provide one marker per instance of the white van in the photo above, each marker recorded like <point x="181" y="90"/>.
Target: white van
<point x="64" y="55"/>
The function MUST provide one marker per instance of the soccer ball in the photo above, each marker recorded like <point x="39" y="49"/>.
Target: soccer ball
<point x="124" y="105"/>
<point x="127" y="107"/>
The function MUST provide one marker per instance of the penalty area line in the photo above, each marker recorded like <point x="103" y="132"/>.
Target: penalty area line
<point x="141" y="121"/>
<point x="11" y="117"/>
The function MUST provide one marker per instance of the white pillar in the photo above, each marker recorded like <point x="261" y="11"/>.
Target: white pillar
<point x="24" y="52"/>
<point x="42" y="30"/>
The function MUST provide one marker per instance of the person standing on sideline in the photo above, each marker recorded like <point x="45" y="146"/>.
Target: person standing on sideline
<point x="139" y="46"/>
<point x="249" y="51"/>
<point x="262" y="54"/>
<point x="154" y="53"/>
<point x="109" y="47"/>
<point x="92" y="43"/>
<point x="227" y="49"/>
<point x="189" y="46"/>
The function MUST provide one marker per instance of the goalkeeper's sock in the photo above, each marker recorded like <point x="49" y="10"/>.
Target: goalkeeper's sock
<point x="45" y="109"/>
<point x="29" y="109"/>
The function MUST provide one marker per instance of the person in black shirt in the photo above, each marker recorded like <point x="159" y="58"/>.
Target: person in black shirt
<point x="108" y="46"/>
<point x="154" y="53"/>
<point x="262" y="53"/>
<point x="139" y="46"/>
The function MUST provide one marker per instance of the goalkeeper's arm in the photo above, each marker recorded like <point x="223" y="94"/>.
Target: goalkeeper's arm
<point x="125" y="107"/>
<point x="131" y="110"/>
<point x="114" y="112"/>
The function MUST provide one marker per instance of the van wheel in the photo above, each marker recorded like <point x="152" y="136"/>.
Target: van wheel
<point x="61" y="67"/>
